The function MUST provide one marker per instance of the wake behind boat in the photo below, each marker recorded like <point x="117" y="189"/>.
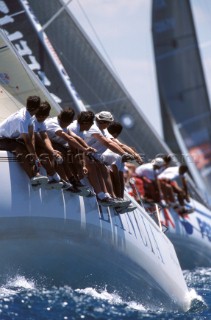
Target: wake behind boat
<point x="69" y="240"/>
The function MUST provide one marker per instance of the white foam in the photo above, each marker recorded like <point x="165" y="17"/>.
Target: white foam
<point x="112" y="298"/>
<point x="4" y="292"/>
<point x="136" y="306"/>
<point x="194" y="295"/>
<point x="20" y="282"/>
<point x="104" y="295"/>
<point x="197" y="302"/>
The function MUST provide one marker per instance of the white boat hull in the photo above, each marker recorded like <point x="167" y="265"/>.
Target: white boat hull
<point x="70" y="240"/>
<point x="65" y="239"/>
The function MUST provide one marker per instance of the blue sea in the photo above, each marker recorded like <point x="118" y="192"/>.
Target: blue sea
<point x="28" y="299"/>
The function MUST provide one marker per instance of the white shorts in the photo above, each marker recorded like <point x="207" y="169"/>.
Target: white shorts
<point x="111" y="158"/>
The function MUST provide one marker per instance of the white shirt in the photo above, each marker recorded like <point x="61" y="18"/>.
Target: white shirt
<point x="16" y="124"/>
<point x="170" y="173"/>
<point x="92" y="141"/>
<point x="39" y="126"/>
<point x="75" y="128"/>
<point x="53" y="126"/>
<point x="146" y="170"/>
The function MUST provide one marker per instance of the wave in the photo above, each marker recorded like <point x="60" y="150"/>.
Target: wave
<point x="29" y="298"/>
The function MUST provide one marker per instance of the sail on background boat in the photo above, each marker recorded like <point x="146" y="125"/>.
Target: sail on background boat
<point x="183" y="94"/>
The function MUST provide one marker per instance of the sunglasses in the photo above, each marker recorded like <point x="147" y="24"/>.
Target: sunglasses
<point x="104" y="122"/>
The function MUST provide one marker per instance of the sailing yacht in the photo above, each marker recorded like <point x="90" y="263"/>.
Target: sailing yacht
<point x="49" y="40"/>
<point x="66" y="239"/>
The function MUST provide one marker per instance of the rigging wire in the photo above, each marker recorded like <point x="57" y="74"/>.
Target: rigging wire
<point x="86" y="83"/>
<point x="98" y="38"/>
<point x="55" y="15"/>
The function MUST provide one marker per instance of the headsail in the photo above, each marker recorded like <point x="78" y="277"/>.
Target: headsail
<point x="182" y="89"/>
<point x="17" y="81"/>
<point x="20" y="30"/>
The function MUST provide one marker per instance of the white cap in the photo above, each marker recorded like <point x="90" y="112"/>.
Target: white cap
<point x="104" y="116"/>
<point x="159" y="162"/>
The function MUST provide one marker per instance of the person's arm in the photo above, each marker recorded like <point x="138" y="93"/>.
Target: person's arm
<point x="129" y="150"/>
<point x="110" y="144"/>
<point x="81" y="141"/>
<point x="185" y="188"/>
<point x="44" y="139"/>
<point x="29" y="141"/>
<point x="43" y="136"/>
<point x="184" y="184"/>
<point x="71" y="141"/>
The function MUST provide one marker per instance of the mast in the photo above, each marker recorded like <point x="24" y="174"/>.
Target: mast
<point x="182" y="88"/>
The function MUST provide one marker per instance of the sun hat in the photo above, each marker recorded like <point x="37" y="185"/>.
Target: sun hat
<point x="159" y="162"/>
<point x="104" y="116"/>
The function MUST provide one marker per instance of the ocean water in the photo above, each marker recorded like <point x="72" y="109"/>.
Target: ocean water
<point x="28" y="299"/>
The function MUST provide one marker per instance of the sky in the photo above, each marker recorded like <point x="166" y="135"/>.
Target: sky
<point x="121" y="30"/>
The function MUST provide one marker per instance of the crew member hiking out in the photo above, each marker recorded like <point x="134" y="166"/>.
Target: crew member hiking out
<point x="17" y="136"/>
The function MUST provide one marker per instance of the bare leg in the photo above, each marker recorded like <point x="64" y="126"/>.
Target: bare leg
<point x="24" y="160"/>
<point x="105" y="173"/>
<point x="167" y="192"/>
<point x="95" y="177"/>
<point x="122" y="183"/>
<point x="47" y="161"/>
<point x="61" y="171"/>
<point x="117" y="178"/>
